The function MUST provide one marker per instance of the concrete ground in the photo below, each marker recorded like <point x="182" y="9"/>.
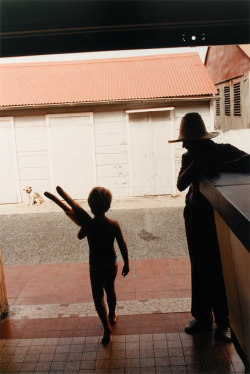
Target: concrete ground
<point x="153" y="227"/>
<point x="144" y="202"/>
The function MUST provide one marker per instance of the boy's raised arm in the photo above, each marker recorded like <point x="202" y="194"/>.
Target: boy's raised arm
<point x="76" y="213"/>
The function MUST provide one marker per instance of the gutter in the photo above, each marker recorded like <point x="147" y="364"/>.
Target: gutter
<point x="107" y="102"/>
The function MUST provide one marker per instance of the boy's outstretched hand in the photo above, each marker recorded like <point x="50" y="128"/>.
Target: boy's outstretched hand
<point x="125" y="270"/>
<point x="77" y="214"/>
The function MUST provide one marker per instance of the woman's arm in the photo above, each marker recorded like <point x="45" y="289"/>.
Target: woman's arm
<point x="240" y="165"/>
<point x="190" y="173"/>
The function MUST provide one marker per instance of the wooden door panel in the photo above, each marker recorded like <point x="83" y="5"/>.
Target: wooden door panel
<point x="72" y="154"/>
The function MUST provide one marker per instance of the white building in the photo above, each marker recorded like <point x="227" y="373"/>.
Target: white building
<point x="78" y="124"/>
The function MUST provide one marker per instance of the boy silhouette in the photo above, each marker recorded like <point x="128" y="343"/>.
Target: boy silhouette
<point x="101" y="233"/>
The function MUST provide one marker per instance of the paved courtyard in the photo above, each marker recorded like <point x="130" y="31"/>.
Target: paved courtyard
<point x="153" y="227"/>
<point x="52" y="326"/>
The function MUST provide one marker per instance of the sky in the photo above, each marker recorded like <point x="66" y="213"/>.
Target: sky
<point x="108" y="54"/>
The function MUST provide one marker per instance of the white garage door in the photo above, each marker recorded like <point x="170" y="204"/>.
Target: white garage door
<point x="8" y="167"/>
<point x="72" y="153"/>
<point x="151" y="157"/>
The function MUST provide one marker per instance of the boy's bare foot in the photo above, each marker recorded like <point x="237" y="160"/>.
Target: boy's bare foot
<point x="106" y="337"/>
<point x="113" y="320"/>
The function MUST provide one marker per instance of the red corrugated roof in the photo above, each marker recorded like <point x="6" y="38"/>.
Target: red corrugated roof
<point x="113" y="79"/>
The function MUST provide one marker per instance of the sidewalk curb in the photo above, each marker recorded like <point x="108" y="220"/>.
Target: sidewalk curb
<point x="145" y="202"/>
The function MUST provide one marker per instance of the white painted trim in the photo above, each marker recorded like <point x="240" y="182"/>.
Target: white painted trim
<point x="212" y="116"/>
<point x="52" y="177"/>
<point x="16" y="171"/>
<point x="149" y="110"/>
<point x="93" y="143"/>
<point x="78" y="114"/>
<point x="14" y="153"/>
<point x="129" y="155"/>
<point x="172" y="150"/>
<point x="152" y="148"/>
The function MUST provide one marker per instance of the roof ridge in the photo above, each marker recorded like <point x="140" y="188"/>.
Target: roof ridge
<point x="100" y="61"/>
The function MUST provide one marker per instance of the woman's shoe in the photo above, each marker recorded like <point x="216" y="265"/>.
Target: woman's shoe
<point x="196" y="326"/>
<point x="223" y="333"/>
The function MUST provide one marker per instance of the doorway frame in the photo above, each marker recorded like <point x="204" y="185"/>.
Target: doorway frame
<point x="62" y="115"/>
<point x="172" y="159"/>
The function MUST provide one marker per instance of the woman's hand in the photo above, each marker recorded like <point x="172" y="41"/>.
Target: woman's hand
<point x="191" y="173"/>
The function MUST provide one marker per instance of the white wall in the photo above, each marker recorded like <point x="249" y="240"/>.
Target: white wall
<point x="32" y="153"/>
<point x="238" y="138"/>
<point x="8" y="164"/>
<point x="110" y="146"/>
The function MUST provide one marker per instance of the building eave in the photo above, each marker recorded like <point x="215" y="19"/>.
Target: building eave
<point x="107" y="102"/>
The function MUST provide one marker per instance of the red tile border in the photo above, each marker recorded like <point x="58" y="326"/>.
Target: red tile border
<point x="91" y="326"/>
<point x="182" y="281"/>
<point x="148" y="295"/>
<point x="179" y="265"/>
<point x="151" y="267"/>
<point x="69" y="283"/>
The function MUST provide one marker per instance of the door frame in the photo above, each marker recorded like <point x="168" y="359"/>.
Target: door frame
<point x="14" y="155"/>
<point x="130" y="166"/>
<point x="85" y="114"/>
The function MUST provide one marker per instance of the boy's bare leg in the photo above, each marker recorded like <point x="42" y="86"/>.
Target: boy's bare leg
<point x="102" y="313"/>
<point x="111" y="299"/>
<point x="98" y="297"/>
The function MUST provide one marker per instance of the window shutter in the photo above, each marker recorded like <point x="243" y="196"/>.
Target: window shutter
<point x="227" y="100"/>
<point x="237" y="99"/>
<point x="218" y="104"/>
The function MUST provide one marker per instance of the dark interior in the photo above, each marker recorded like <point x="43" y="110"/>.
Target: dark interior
<point x="36" y="27"/>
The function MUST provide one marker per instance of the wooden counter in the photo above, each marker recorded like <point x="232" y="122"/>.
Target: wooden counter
<point x="229" y="194"/>
<point x="3" y="296"/>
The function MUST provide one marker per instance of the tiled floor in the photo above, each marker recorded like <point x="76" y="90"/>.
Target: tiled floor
<point x="53" y="328"/>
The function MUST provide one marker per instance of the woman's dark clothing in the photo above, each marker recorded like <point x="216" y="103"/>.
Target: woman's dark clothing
<point x="208" y="290"/>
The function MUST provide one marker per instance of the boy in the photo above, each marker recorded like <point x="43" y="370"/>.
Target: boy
<point x="101" y="233"/>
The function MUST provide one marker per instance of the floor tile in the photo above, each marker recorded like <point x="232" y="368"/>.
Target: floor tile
<point x="180" y="265"/>
<point x="64" y="334"/>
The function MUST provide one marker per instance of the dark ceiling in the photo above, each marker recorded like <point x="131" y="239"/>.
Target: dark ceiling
<point x="35" y="27"/>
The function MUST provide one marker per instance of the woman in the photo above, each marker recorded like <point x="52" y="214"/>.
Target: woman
<point x="204" y="157"/>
